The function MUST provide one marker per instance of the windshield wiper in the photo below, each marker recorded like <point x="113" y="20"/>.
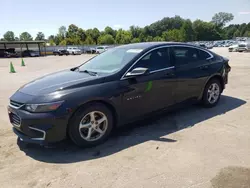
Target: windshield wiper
<point x="92" y="73"/>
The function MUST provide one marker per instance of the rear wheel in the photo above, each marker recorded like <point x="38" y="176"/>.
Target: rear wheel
<point x="212" y="93"/>
<point x="91" y="125"/>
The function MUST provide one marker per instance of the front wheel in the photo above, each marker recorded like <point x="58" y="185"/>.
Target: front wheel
<point x="212" y="93"/>
<point x="91" y="125"/>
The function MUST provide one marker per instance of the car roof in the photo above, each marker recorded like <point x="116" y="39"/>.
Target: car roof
<point x="149" y="45"/>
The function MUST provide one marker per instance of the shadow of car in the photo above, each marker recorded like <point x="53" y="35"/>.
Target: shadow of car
<point x="155" y="128"/>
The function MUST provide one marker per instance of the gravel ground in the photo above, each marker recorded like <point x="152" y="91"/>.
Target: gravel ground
<point x="189" y="148"/>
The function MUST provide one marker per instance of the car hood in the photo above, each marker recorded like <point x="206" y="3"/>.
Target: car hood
<point x="56" y="82"/>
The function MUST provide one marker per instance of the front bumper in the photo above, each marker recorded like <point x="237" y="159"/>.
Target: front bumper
<point x="39" y="128"/>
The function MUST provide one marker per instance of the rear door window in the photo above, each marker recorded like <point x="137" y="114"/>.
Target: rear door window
<point x="185" y="55"/>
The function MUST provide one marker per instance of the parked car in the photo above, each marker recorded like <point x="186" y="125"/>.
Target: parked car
<point x="203" y="45"/>
<point x="60" y="52"/>
<point x="117" y="87"/>
<point x="101" y="49"/>
<point x="89" y="50"/>
<point x="242" y="47"/>
<point x="233" y="48"/>
<point x="10" y="54"/>
<point x="30" y="53"/>
<point x="74" y="51"/>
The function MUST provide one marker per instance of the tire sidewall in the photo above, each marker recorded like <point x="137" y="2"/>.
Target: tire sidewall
<point x="75" y="121"/>
<point x="205" y="94"/>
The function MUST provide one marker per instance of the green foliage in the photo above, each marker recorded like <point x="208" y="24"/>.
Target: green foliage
<point x="9" y="36"/>
<point x="222" y="18"/>
<point x="106" y="39"/>
<point x="237" y="33"/>
<point x="62" y="31"/>
<point x="51" y="42"/>
<point x="110" y="31"/>
<point x="63" y="43"/>
<point x="123" y="37"/>
<point x="135" y="40"/>
<point x="172" y="35"/>
<point x="81" y="34"/>
<point x="40" y="36"/>
<point x="89" y="40"/>
<point x="167" y="29"/>
<point x="25" y="36"/>
<point x="205" y="31"/>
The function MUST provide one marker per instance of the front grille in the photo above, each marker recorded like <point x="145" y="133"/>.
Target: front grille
<point x="15" y="104"/>
<point x="15" y="120"/>
<point x="242" y="45"/>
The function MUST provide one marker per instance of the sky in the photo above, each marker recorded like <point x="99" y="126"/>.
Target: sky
<point x="48" y="15"/>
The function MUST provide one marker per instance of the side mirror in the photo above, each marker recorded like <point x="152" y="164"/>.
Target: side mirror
<point x="137" y="72"/>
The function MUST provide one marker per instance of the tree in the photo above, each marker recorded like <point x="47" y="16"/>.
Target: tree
<point x="16" y="39"/>
<point x="9" y="36"/>
<point x="51" y="42"/>
<point x="187" y="32"/>
<point x="95" y="35"/>
<point x="123" y="37"/>
<point x="110" y="31"/>
<point x="205" y="31"/>
<point x="172" y="35"/>
<point x="25" y="36"/>
<point x="222" y="18"/>
<point x="63" y="43"/>
<point x="40" y="36"/>
<point x="81" y="34"/>
<point x="62" y="31"/>
<point x="135" y="31"/>
<point x="135" y="40"/>
<point x="237" y="33"/>
<point x="89" y="40"/>
<point x="106" y="39"/>
<point x="51" y="37"/>
<point x="246" y="34"/>
<point x="229" y="31"/>
<point x="158" y="38"/>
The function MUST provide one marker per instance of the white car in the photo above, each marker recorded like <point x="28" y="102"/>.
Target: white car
<point x="242" y="47"/>
<point x="234" y="47"/>
<point x="101" y="49"/>
<point x="74" y="51"/>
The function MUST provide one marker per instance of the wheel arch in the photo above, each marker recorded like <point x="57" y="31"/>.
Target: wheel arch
<point x="216" y="76"/>
<point x="100" y="101"/>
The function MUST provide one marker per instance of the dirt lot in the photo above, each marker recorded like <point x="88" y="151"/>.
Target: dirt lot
<point x="189" y="148"/>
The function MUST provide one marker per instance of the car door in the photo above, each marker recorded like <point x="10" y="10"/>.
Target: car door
<point x="151" y="91"/>
<point x="192" y="70"/>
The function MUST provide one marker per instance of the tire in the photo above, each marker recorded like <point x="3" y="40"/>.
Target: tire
<point x="217" y="93"/>
<point x="80" y="137"/>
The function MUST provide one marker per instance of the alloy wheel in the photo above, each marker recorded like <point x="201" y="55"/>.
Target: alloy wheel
<point x="93" y="126"/>
<point x="213" y="93"/>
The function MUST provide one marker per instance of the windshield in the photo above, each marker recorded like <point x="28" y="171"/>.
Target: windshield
<point x="111" y="60"/>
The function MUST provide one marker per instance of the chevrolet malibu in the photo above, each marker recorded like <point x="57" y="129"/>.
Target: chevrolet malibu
<point x="119" y="86"/>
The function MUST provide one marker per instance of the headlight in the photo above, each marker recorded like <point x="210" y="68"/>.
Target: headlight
<point x="46" y="107"/>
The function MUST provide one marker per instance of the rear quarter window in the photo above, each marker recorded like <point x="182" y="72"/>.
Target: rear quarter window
<point x="203" y="55"/>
